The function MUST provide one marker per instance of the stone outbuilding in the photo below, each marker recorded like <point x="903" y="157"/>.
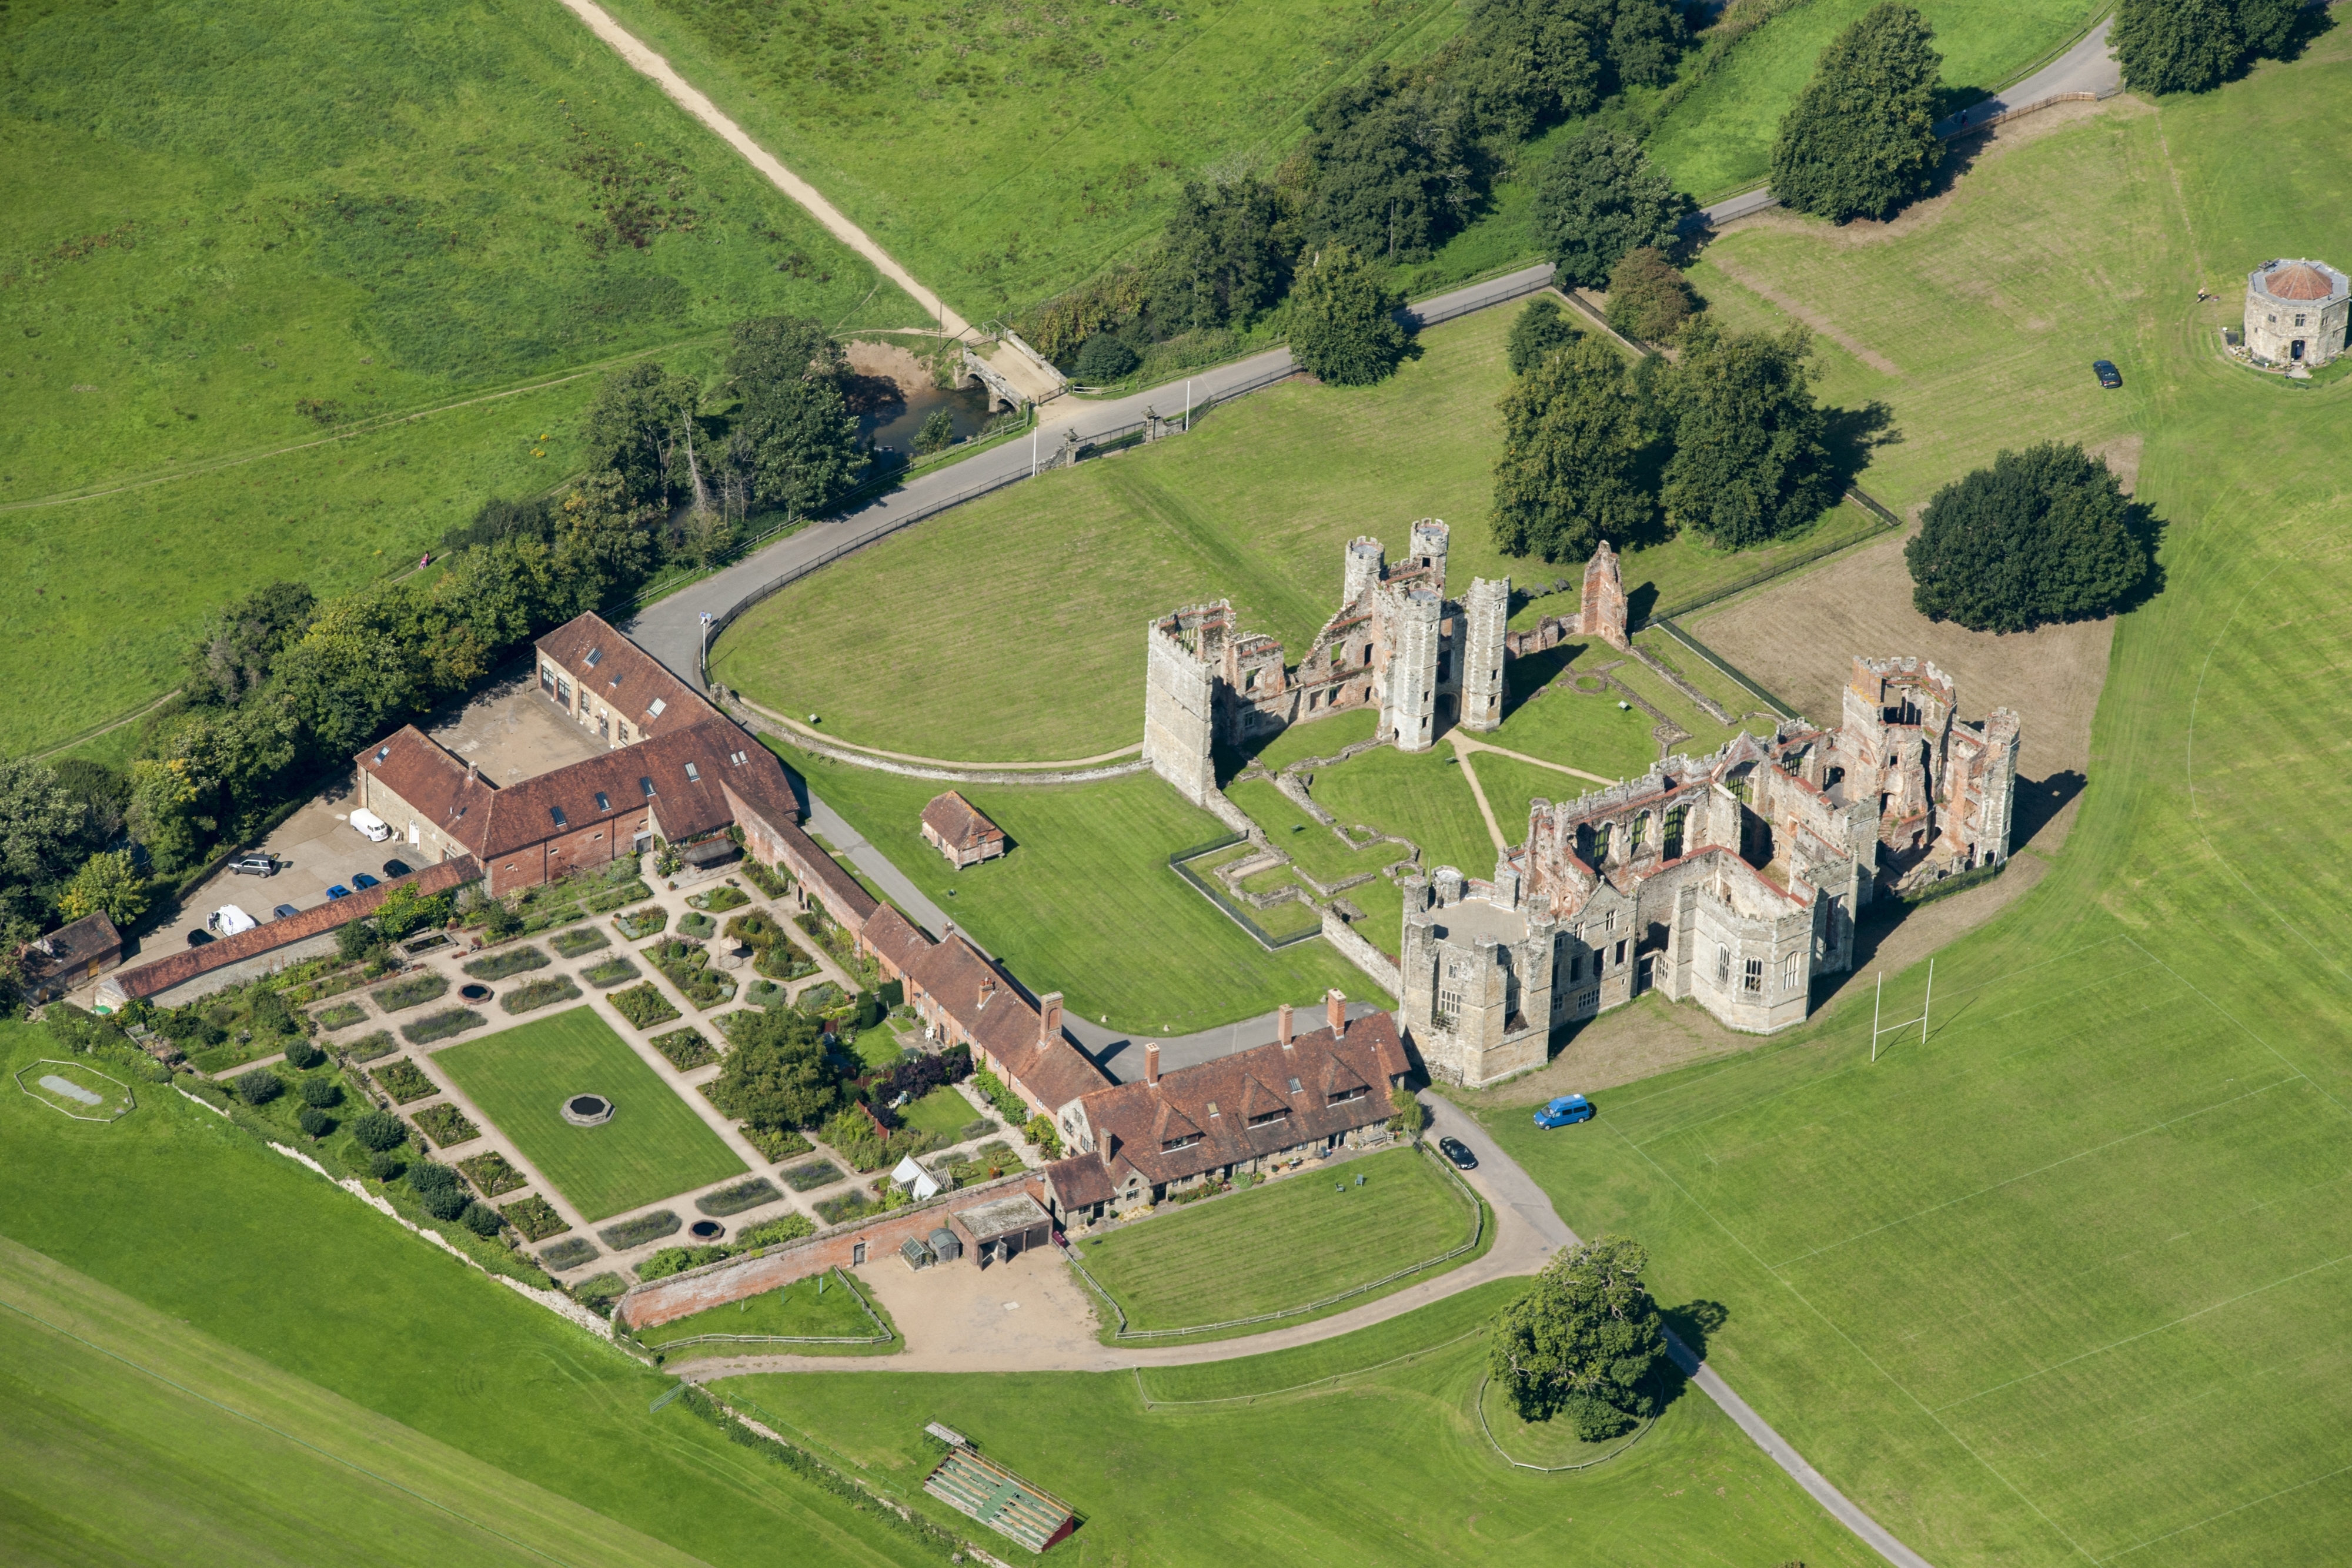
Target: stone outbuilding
<point x="2296" y="312"/>
<point x="961" y="830"/>
<point x="70" y="957"/>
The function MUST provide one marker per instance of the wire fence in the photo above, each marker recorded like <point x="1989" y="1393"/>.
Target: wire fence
<point x="1727" y="666"/>
<point x="1234" y="912"/>
<point x="1477" y="1233"/>
<point x="1640" y="1432"/>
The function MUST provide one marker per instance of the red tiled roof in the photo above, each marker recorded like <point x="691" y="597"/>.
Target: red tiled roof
<point x="2299" y="280"/>
<point x="1134" y="1123"/>
<point x="1080" y="1181"/>
<point x="178" y="969"/>
<point x="895" y="939"/>
<point x="1054" y="1072"/>
<point x="441" y="789"/>
<point x="960" y="824"/>
<point x="623" y="677"/>
<point x="842" y="892"/>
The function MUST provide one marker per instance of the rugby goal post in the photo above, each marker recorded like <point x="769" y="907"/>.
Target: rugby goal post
<point x="1877" y="1011"/>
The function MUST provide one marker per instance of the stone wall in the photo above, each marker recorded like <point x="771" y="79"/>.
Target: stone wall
<point x="1357" y="950"/>
<point x="1179" y="711"/>
<point x="1486" y="615"/>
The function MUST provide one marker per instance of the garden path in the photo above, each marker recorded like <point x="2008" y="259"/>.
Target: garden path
<point x="1477" y="791"/>
<point x="649" y="64"/>
<point x="1472" y="743"/>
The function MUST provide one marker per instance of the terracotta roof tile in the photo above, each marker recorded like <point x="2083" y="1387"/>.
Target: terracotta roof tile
<point x="2298" y="280"/>
<point x="959" y="822"/>
<point x="623" y="677"/>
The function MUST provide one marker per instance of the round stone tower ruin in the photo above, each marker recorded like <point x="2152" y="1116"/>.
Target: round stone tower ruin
<point x="2296" y="312"/>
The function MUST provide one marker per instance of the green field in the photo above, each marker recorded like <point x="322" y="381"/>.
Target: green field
<point x="1381" y="1465"/>
<point x="220" y="211"/>
<point x="132" y="1437"/>
<point x="1085" y="903"/>
<point x="1421" y="795"/>
<point x="1311" y="845"/>
<point x="2062" y="1283"/>
<point x="943" y="1111"/>
<point x="1282" y="1245"/>
<point x="1003" y="152"/>
<point x="795" y="1310"/>
<point x="455" y="1387"/>
<point x="654" y="1147"/>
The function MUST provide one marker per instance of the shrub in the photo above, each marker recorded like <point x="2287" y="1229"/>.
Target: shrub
<point x="2044" y="535"/>
<point x="638" y="1231"/>
<point x="569" y="1253"/>
<point x="302" y="1055"/>
<point x="536" y="993"/>
<point x="1103" y="360"/>
<point x="385" y="1165"/>
<point x="599" y="1294"/>
<point x="937" y="434"/>
<point x="768" y="1232"/>
<point x="414" y="991"/>
<point x="677" y="1259"/>
<point x="820" y="999"/>
<point x="764" y="994"/>
<point x="441" y="1025"/>
<point x="321" y="1092"/>
<point x="369" y="1047"/>
<point x="1040" y="1132"/>
<point x="491" y="1174"/>
<point x="260" y="1087"/>
<point x="774" y="883"/>
<point x="1542" y="327"/>
<point x="755" y="928"/>
<point x="405" y="1080"/>
<point x="536" y="1220"/>
<point x="513" y="961"/>
<point x="720" y="899"/>
<point x="612" y="972"/>
<point x="446" y="1125"/>
<point x="432" y="1175"/>
<point x="735" y="1199"/>
<point x="573" y="944"/>
<point x="1342" y="330"/>
<point x="694" y="924"/>
<point x="314" y="1123"/>
<point x="783" y="961"/>
<point x="684" y="1048"/>
<point x="1648" y="297"/>
<point x="445" y="1203"/>
<point x="644" y="1006"/>
<point x="642" y="923"/>
<point x="499" y="921"/>
<point x="482" y="1219"/>
<point x="380" y="1131"/>
<point x="847" y="1206"/>
<point x="1011" y="1106"/>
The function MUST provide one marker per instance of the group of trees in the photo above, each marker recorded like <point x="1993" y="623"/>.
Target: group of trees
<point x="2043" y="536"/>
<point x="2192" y="45"/>
<point x="1586" y="1344"/>
<point x="1727" y="441"/>
<point x="1860" y="141"/>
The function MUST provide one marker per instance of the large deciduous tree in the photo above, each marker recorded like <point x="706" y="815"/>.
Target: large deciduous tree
<point x="1226" y="257"/>
<point x="241" y="643"/>
<point x="2184" y="46"/>
<point x="1528" y="63"/>
<point x="1585" y="1344"/>
<point x="2044" y="535"/>
<point x="1598" y="198"/>
<point x="1648" y="297"/>
<point x="1572" y="438"/>
<point x="1860" y="141"/>
<point x="1395" y="166"/>
<point x="1540" y="328"/>
<point x="637" y="427"/>
<point x="776" y="1075"/>
<point x="1749" y="462"/>
<point x="1343" y="328"/>
<point x="793" y="437"/>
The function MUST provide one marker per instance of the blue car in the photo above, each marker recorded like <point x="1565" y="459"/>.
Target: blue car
<point x="1565" y="1112"/>
<point x="339" y="891"/>
<point x="363" y="880"/>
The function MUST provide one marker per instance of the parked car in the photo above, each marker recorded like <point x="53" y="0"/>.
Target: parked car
<point x="2109" y="377"/>
<point x="1457" y="1151"/>
<point x="284" y="912"/>
<point x="363" y="880"/>
<point x="198" y="939"/>
<point x="254" y="865"/>
<point x="397" y="868"/>
<point x="339" y="891"/>
<point x="1565" y="1112"/>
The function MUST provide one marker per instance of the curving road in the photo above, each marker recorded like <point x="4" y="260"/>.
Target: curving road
<point x="1527" y="1231"/>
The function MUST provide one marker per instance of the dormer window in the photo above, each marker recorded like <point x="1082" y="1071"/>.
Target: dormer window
<point x="1281" y="1116"/>
<point x="693" y="774"/>
<point x="1344" y="1095"/>
<point x="1186" y="1141"/>
<point x="648" y="785"/>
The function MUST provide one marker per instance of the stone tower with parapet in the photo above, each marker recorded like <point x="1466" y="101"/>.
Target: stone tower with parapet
<point x="1477" y="1003"/>
<point x="1485" y="618"/>
<point x="1180" y="697"/>
<point x="1603" y="613"/>
<point x="1414" y="616"/>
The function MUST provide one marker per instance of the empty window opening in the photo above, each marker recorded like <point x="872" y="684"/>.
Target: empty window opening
<point x="603" y="804"/>
<point x="1752" y="975"/>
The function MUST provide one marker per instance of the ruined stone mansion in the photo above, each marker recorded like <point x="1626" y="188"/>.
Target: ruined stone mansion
<point x="1731" y="880"/>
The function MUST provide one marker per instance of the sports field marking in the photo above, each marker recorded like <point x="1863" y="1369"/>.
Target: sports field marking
<point x="2239" y="1027"/>
<point x="2214" y="1519"/>
<point x="2206" y="1311"/>
<point x="2038" y="1170"/>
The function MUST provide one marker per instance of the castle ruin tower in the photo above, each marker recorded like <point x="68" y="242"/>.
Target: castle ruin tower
<point x="1410" y="708"/>
<point x="1485" y="614"/>
<point x="1604" y="615"/>
<point x="1179" y="701"/>
<point x="1428" y="540"/>
<point x="1364" y="564"/>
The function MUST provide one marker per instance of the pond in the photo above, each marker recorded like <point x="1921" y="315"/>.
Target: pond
<point x="893" y="423"/>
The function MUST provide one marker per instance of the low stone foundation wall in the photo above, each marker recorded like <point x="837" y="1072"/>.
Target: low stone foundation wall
<point x="660" y="1302"/>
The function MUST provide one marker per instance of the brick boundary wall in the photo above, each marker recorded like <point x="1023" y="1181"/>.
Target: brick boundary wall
<point x="652" y="1304"/>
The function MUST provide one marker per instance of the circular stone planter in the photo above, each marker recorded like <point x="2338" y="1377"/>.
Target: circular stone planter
<point x="587" y="1110"/>
<point x="706" y="1230"/>
<point x="475" y="993"/>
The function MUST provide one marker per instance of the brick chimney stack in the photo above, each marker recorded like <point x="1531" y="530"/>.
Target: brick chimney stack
<point x="1151" y="1062"/>
<point x="1282" y="1025"/>
<point x="1049" y="1017"/>
<point x="1335" y="1013"/>
<point x="987" y="987"/>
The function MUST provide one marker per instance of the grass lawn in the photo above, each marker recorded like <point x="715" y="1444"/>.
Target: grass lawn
<point x="1584" y="730"/>
<point x="655" y="1145"/>
<point x="2062" y="1283"/>
<point x="1306" y="841"/>
<point x="1085" y="903"/>
<point x="795" y="1309"/>
<point x="114" y="1436"/>
<point x="221" y="214"/>
<point x="943" y="1111"/>
<point x="1004" y="153"/>
<point x="1207" y="1485"/>
<point x="284" y="1298"/>
<point x="1421" y="796"/>
<point x="1282" y="1244"/>
<point x="1319" y="737"/>
<point x="1383" y="902"/>
<point x="1511" y="785"/>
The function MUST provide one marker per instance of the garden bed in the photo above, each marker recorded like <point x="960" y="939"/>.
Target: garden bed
<point x="573" y="944"/>
<point x="772" y="884"/>
<point x="849" y="1206"/>
<point x="494" y="1175"/>
<point x="372" y="1047"/>
<point x="810" y="1176"/>
<point x="687" y="965"/>
<point x="498" y="965"/>
<point x="445" y="1126"/>
<point x="540" y="994"/>
<point x="342" y="1015"/>
<point x="645" y="922"/>
<point x="696" y="925"/>
<point x="442" y="1025"/>
<point x="820" y="999"/>
<point x="411" y="992"/>
<point x="404" y="1082"/>
<point x="764" y="994"/>
<point x="645" y="1006"/>
<point x="776" y="1143"/>
<point x="684" y="1049"/>
<point x="613" y="971"/>
<point x="538" y="1221"/>
<point x="735" y="1199"/>
<point x="720" y="900"/>
<point x="638" y="1231"/>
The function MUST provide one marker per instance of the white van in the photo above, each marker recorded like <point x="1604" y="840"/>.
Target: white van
<point x="374" y="826"/>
